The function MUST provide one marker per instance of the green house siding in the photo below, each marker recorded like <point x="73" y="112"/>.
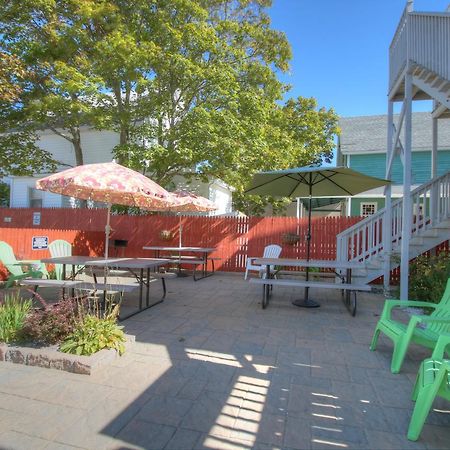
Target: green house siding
<point x="375" y="165"/>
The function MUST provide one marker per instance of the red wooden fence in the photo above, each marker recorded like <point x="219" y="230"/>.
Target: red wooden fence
<point x="234" y="237"/>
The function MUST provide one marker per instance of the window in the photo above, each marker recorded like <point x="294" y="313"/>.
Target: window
<point x="35" y="198"/>
<point x="367" y="209"/>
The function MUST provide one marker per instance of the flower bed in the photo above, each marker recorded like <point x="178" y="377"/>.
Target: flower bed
<point x="75" y="334"/>
<point x="51" y="358"/>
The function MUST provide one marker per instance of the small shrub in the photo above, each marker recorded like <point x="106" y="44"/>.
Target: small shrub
<point x="13" y="311"/>
<point x="52" y="323"/>
<point x="93" y="334"/>
<point x="428" y="277"/>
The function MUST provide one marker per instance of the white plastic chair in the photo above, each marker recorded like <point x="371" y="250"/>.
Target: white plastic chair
<point x="271" y="251"/>
<point x="58" y="248"/>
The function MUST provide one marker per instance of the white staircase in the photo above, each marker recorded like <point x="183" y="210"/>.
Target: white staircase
<point x="363" y="242"/>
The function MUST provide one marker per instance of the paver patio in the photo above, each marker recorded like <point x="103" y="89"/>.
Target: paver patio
<point x="211" y="369"/>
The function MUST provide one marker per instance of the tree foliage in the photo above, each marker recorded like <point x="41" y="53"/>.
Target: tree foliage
<point x="19" y="154"/>
<point x="191" y="86"/>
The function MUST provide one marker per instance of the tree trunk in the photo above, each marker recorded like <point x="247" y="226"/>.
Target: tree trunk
<point x="124" y="134"/>
<point x="76" y="141"/>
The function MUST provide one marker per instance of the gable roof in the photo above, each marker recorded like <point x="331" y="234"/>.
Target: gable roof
<point x="368" y="134"/>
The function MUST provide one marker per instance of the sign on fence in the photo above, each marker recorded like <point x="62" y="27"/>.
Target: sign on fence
<point x="36" y="218"/>
<point x="39" y="242"/>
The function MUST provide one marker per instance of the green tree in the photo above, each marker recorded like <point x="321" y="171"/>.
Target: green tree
<point x="19" y="154"/>
<point x="191" y="86"/>
<point x="58" y="89"/>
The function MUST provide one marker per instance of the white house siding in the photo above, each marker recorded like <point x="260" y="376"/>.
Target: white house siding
<point x="20" y="189"/>
<point x="222" y="197"/>
<point x="97" y="146"/>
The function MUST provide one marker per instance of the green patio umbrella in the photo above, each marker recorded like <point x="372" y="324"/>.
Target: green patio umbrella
<point x="312" y="182"/>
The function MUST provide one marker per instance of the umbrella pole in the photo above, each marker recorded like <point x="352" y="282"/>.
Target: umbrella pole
<point x="306" y="302"/>
<point x="180" y="240"/>
<point x="107" y="231"/>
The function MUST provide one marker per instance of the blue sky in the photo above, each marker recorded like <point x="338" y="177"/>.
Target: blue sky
<point x="340" y="50"/>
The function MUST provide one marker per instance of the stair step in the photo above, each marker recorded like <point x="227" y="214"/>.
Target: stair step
<point x="431" y="233"/>
<point x="445" y="87"/>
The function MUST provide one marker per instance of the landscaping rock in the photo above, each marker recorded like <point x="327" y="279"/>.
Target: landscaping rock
<point x="52" y="358"/>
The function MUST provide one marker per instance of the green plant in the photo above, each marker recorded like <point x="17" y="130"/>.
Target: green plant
<point x="93" y="334"/>
<point x="428" y="277"/>
<point x="52" y="323"/>
<point x="13" y="311"/>
<point x="52" y="274"/>
<point x="166" y="235"/>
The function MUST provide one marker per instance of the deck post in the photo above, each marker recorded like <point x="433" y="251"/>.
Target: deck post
<point x="407" y="202"/>
<point x="387" y="218"/>
<point x="434" y="194"/>
<point x="434" y="149"/>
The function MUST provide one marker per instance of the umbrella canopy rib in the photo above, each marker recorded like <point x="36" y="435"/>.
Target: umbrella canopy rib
<point x="328" y="178"/>
<point x="271" y="181"/>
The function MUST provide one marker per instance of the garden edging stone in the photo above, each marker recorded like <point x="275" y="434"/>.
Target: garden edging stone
<point x="52" y="358"/>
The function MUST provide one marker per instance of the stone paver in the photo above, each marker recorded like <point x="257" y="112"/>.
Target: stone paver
<point x="211" y="370"/>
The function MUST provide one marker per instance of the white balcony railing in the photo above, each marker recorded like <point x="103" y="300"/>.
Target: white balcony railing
<point x="422" y="38"/>
<point x="364" y="240"/>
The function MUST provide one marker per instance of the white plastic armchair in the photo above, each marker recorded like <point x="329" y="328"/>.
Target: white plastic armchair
<point x="271" y="251"/>
<point x="57" y="248"/>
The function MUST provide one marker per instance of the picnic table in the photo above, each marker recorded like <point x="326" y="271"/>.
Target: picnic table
<point x="342" y="270"/>
<point x="140" y="268"/>
<point x="184" y="258"/>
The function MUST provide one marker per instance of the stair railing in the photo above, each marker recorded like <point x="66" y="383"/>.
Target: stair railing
<point x="364" y="240"/>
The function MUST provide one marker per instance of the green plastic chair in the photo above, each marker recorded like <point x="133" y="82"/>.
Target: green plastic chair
<point x="433" y="380"/>
<point x="7" y="257"/>
<point x="402" y="335"/>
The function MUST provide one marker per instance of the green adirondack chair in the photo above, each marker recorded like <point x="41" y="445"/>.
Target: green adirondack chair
<point x="433" y="380"/>
<point x="402" y="335"/>
<point x="9" y="260"/>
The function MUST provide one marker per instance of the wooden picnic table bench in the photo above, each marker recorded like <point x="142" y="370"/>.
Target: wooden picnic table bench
<point x="180" y="258"/>
<point x="343" y="277"/>
<point x="346" y="288"/>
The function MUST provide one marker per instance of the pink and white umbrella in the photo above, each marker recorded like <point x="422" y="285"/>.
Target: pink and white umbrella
<point x="190" y="202"/>
<point x="110" y="183"/>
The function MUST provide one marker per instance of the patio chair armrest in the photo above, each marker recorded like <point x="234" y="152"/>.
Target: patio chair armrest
<point x="415" y="320"/>
<point x="30" y="261"/>
<point x="441" y="347"/>
<point x="433" y="319"/>
<point x="389" y="305"/>
<point x="250" y="260"/>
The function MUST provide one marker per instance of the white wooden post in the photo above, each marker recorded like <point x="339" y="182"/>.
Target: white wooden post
<point x="434" y="149"/>
<point x="407" y="204"/>
<point x="434" y="193"/>
<point x="387" y="218"/>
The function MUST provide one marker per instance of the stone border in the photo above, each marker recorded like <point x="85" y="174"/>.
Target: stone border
<point x="51" y="358"/>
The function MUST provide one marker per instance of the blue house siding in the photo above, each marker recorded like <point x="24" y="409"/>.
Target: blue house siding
<point x="375" y="165"/>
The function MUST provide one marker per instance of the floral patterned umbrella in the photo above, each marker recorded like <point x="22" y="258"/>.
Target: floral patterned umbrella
<point x="190" y="202"/>
<point x="110" y="183"/>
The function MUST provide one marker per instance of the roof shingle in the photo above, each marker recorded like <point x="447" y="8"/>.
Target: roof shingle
<point x="368" y="134"/>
